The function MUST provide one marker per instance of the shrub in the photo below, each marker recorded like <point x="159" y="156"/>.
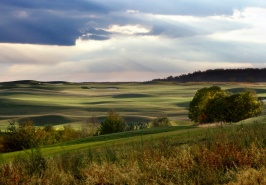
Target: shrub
<point x="161" y="122"/>
<point x="137" y="126"/>
<point x="113" y="123"/>
<point x="22" y="136"/>
<point x="68" y="133"/>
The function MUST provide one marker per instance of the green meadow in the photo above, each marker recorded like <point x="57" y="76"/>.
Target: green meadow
<point x="59" y="104"/>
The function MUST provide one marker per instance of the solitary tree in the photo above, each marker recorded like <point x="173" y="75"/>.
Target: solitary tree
<point x="113" y="123"/>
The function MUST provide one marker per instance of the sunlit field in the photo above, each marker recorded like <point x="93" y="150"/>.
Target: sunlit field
<point x="60" y="104"/>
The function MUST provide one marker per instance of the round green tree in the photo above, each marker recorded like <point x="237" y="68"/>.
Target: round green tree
<point x="215" y="105"/>
<point x="200" y="106"/>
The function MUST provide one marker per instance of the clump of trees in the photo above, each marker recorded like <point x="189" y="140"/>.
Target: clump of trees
<point x="216" y="105"/>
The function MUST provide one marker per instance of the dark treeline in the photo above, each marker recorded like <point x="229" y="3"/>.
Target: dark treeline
<point x="221" y="75"/>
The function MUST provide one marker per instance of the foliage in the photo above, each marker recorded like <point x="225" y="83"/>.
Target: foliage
<point x="161" y="122"/>
<point x="242" y="105"/>
<point x="215" y="105"/>
<point x="23" y="136"/>
<point x="26" y="135"/>
<point x="137" y="125"/>
<point x="113" y="123"/>
<point x="68" y="133"/>
<point x="198" y="107"/>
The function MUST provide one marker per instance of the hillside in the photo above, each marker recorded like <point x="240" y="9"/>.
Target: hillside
<point x="221" y="75"/>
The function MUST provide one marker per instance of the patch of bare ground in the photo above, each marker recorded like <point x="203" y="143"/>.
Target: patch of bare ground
<point x="209" y="125"/>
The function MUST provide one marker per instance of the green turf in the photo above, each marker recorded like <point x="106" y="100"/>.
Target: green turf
<point x="73" y="103"/>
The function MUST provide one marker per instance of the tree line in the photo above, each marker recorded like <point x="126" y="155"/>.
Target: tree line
<point x="221" y="75"/>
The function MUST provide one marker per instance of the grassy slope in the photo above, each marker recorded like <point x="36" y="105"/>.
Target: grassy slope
<point x="187" y="134"/>
<point x="73" y="104"/>
<point x="114" y="139"/>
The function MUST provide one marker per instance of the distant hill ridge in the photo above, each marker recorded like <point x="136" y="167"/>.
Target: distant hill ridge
<point x="221" y="75"/>
<point x="30" y="82"/>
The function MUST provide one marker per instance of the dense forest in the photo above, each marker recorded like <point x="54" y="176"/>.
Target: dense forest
<point x="221" y="75"/>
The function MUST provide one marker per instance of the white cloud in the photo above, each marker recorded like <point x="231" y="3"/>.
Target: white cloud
<point x="254" y="33"/>
<point x="128" y="29"/>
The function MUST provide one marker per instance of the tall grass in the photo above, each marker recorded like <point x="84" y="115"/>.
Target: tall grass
<point x="222" y="156"/>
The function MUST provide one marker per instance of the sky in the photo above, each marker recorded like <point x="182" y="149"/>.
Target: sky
<point x="125" y="40"/>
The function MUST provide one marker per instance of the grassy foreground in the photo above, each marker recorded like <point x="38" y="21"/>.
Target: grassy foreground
<point x="227" y="155"/>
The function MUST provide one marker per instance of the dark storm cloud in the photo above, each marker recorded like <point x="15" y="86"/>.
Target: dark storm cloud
<point x="60" y="31"/>
<point x="58" y="22"/>
<point x="79" y="5"/>
<point x="187" y="7"/>
<point x="62" y="22"/>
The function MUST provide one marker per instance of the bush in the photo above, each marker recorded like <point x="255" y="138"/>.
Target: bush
<point x="137" y="126"/>
<point x="161" y="122"/>
<point x="113" y="123"/>
<point x="22" y="136"/>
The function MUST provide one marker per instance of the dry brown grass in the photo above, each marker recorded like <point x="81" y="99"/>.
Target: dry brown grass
<point x="250" y="176"/>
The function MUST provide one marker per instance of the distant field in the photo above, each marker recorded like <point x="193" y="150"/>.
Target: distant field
<point x="60" y="104"/>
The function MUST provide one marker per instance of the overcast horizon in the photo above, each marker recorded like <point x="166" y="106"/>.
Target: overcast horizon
<point x="104" y="41"/>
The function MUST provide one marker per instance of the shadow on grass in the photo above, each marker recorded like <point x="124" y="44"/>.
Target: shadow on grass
<point x="183" y="104"/>
<point x="16" y="107"/>
<point x="47" y="120"/>
<point x="132" y="96"/>
<point x="98" y="102"/>
<point x="29" y="88"/>
<point x="236" y="90"/>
